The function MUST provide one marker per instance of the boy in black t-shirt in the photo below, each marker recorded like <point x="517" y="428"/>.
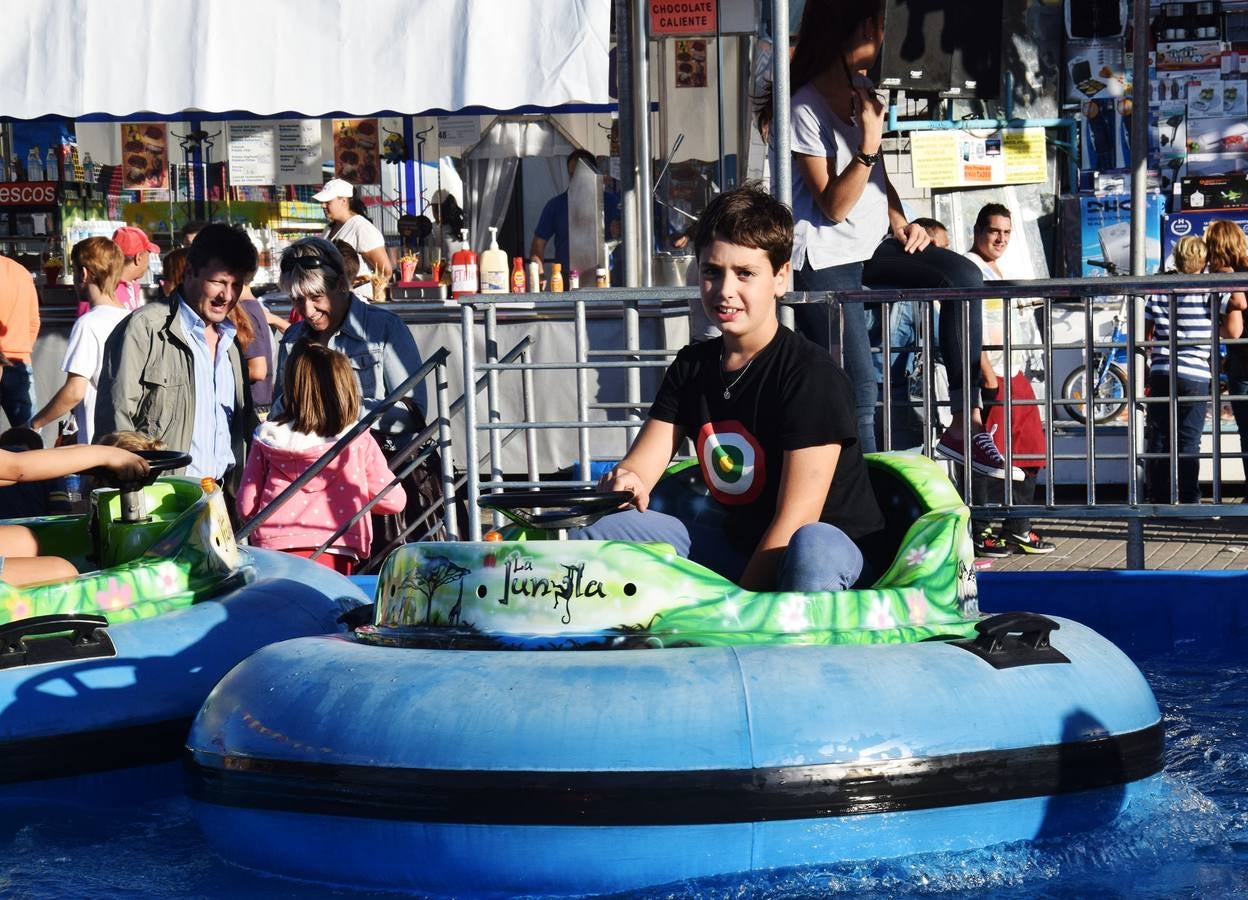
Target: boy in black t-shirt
<point x="772" y="419"/>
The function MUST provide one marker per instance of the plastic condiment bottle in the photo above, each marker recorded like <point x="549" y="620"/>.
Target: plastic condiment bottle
<point x="463" y="268"/>
<point x="517" y="275"/>
<point x="556" y="278"/>
<point x="574" y="280"/>
<point x="535" y="276"/>
<point x="493" y="267"/>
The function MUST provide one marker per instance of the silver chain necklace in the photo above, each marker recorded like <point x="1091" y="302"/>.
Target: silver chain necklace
<point x="728" y="387"/>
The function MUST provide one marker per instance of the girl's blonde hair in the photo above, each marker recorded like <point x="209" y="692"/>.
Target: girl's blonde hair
<point x="130" y="440"/>
<point x="319" y="392"/>
<point x="1190" y="254"/>
<point x="103" y="261"/>
<point x="1227" y="245"/>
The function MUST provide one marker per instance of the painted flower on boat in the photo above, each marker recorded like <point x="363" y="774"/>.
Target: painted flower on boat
<point x="879" y="615"/>
<point x="115" y="595"/>
<point x="167" y="580"/>
<point x="916" y="605"/>
<point x="792" y="616"/>
<point x="732" y="613"/>
<point x="17" y="607"/>
<point x="916" y="556"/>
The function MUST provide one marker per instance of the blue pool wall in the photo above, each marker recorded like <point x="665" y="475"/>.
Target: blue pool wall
<point x="1143" y="612"/>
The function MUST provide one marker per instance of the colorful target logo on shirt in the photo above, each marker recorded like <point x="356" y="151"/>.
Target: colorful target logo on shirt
<point x="733" y="463"/>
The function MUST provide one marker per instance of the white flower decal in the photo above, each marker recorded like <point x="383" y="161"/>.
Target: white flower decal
<point x="879" y="616"/>
<point x="916" y="603"/>
<point x="916" y="556"/>
<point x="792" y="615"/>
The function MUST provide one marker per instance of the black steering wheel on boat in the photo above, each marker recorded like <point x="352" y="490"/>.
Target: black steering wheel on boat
<point x="160" y="461"/>
<point x="560" y="509"/>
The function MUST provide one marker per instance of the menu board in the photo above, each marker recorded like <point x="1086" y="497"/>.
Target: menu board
<point x="144" y="155"/>
<point x="299" y="152"/>
<point x="357" y="151"/>
<point x="252" y="153"/>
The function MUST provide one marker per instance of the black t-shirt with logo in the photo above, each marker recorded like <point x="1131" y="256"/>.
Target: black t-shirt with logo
<point x="792" y="395"/>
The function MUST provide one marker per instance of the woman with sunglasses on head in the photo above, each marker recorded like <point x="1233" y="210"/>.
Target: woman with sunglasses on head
<point x="382" y="351"/>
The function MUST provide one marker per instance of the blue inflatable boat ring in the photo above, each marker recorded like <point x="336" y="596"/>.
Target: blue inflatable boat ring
<point x="107" y="670"/>
<point x="489" y="732"/>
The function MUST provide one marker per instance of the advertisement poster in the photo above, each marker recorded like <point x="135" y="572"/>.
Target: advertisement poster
<point x="962" y="159"/>
<point x="357" y="151"/>
<point x="1105" y="234"/>
<point x="691" y="64"/>
<point x="1182" y="224"/>
<point x="144" y="155"/>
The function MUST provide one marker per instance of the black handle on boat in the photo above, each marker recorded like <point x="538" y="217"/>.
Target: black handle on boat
<point x="73" y="636"/>
<point x="997" y="645"/>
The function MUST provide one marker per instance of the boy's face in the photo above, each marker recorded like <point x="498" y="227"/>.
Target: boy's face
<point x="739" y="287"/>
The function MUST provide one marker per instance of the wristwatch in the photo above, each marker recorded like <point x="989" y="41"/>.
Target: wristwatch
<point x="867" y="159"/>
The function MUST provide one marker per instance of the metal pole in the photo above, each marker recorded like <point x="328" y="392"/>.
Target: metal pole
<point x="472" y="458"/>
<point x="719" y="98"/>
<point x="492" y="401"/>
<point x="1139" y="211"/>
<point x="445" y="452"/>
<point x="781" y="183"/>
<point x="641" y="114"/>
<point x="582" y="387"/>
<point x="626" y="274"/>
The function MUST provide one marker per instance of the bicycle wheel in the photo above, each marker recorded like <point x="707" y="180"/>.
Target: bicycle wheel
<point x="1110" y="395"/>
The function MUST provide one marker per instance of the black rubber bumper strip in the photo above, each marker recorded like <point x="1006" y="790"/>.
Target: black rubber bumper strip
<point x="78" y="753"/>
<point x="673" y="798"/>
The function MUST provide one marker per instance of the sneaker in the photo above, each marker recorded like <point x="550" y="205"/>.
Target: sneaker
<point x="1028" y="543"/>
<point x="989" y="546"/>
<point x="986" y="459"/>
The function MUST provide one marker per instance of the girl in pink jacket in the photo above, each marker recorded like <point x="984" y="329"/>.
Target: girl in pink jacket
<point x="320" y="402"/>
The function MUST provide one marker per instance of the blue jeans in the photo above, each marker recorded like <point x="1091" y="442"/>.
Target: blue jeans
<point x="820" y="557"/>
<point x="16" y="397"/>
<point x="814" y="320"/>
<point x="1191" y="424"/>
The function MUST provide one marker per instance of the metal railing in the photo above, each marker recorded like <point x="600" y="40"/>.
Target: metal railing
<point x="1093" y="447"/>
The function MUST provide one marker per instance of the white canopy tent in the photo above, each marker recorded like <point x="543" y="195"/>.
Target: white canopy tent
<point x="74" y="58"/>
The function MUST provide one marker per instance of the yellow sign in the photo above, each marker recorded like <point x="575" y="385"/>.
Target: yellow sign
<point x="963" y="159"/>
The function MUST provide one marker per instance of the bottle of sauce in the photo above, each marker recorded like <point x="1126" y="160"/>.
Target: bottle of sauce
<point x="464" y="278"/>
<point x="574" y="280"/>
<point x="556" y="278"/>
<point x="517" y="275"/>
<point x="493" y="267"/>
<point x="535" y="276"/>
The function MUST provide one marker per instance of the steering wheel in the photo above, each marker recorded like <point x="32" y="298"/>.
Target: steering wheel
<point x="160" y="461"/>
<point x="562" y="509"/>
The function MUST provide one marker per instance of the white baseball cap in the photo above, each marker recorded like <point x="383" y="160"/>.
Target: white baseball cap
<point x="335" y="187"/>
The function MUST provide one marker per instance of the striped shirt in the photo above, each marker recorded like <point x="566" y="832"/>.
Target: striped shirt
<point x="1192" y="324"/>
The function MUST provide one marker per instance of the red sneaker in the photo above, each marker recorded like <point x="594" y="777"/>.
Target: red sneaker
<point x="986" y="459"/>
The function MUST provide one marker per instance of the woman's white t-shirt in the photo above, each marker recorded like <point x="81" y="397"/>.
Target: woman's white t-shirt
<point x="817" y="131"/>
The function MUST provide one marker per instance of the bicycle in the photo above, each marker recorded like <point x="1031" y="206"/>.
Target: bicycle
<point x="1109" y="377"/>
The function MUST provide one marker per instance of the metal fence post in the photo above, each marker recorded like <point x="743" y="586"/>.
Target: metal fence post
<point x="473" y="485"/>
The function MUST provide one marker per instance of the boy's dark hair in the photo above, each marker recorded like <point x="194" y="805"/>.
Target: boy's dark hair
<point x="21" y="436"/>
<point x="350" y="260"/>
<point x="191" y="228"/>
<point x="749" y="217"/>
<point x="928" y="224"/>
<point x="228" y="245"/>
<point x="987" y="211"/>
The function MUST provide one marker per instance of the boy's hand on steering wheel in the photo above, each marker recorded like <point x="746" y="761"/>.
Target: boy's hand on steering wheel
<point x="622" y="479"/>
<point x="127" y="466"/>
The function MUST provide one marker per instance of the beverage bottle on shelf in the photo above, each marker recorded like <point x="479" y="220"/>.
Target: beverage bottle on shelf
<point x="88" y="169"/>
<point x="464" y="273"/>
<point x="574" y="280"/>
<point x="517" y="275"/>
<point x="556" y="278"/>
<point x="493" y="267"/>
<point x="51" y="166"/>
<point x="34" y="165"/>
<point x="535" y="276"/>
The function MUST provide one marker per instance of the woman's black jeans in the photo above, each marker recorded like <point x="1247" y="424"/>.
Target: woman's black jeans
<point x="892" y="267"/>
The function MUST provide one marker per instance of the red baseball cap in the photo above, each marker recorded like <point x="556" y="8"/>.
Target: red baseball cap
<point x="133" y="240"/>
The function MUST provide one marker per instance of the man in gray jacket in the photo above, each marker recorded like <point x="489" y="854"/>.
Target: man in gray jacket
<point x="175" y="372"/>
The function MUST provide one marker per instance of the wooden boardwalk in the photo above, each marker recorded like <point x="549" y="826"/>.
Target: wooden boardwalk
<point x="1084" y="544"/>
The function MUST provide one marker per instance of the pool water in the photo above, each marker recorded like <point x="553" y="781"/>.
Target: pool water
<point x="1189" y="840"/>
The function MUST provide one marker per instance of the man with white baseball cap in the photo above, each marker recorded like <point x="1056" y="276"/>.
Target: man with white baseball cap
<point x="337" y="199"/>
